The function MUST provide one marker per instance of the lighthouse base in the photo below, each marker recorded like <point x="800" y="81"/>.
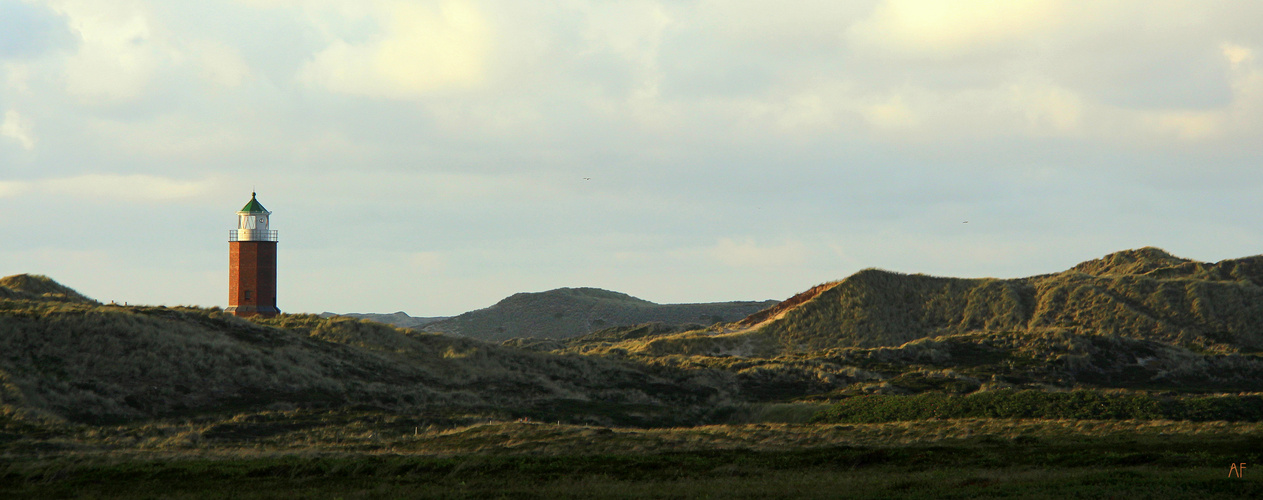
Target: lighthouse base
<point x="247" y="311"/>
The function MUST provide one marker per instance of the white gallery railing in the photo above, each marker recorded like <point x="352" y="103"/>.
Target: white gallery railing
<point x="251" y="235"/>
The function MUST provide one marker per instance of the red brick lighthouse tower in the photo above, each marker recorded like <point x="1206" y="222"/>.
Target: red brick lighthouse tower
<point x="252" y="263"/>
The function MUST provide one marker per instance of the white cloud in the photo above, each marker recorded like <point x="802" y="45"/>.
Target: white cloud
<point x="130" y="188"/>
<point x="1048" y="109"/>
<point x="220" y="63"/>
<point x="632" y="29"/>
<point x="427" y="262"/>
<point x="1237" y="119"/>
<point x="1186" y="125"/>
<point x="421" y="49"/>
<point x="18" y="129"/>
<point x="443" y="188"/>
<point x="1236" y="54"/>
<point x="118" y="54"/>
<point x="891" y="113"/>
<point x="775" y="122"/>
<point x="805" y="23"/>
<point x="182" y="137"/>
<point x="938" y="28"/>
<point x="9" y="189"/>
<point x="806" y="111"/>
<point x="747" y="253"/>
<point x="17" y="76"/>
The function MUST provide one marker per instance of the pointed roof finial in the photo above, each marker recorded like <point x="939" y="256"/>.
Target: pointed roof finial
<point x="253" y="206"/>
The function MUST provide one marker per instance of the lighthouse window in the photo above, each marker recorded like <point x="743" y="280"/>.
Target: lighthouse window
<point x="248" y="294"/>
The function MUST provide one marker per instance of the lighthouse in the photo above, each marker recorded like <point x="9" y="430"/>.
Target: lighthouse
<point x="252" y="263"/>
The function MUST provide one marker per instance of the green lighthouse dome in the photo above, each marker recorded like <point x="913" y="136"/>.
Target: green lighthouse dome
<point x="254" y="206"/>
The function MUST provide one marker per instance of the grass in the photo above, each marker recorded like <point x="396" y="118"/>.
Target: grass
<point x="570" y="312"/>
<point x="738" y="482"/>
<point x="111" y="401"/>
<point x="1141" y="294"/>
<point x="1144" y="465"/>
<point x="103" y="364"/>
<point x="608" y="477"/>
<point x="1079" y="405"/>
<point x="310" y="432"/>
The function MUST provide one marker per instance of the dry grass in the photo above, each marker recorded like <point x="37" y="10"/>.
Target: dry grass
<point x="571" y="312"/>
<point x="1141" y="294"/>
<point x="278" y="433"/>
<point x="98" y="363"/>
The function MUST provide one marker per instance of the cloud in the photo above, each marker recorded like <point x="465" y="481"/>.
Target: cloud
<point x="1048" y="109"/>
<point x="18" y="129"/>
<point x="785" y="124"/>
<point x="749" y="254"/>
<point x="427" y="262"/>
<point x="29" y="30"/>
<point x="631" y="29"/>
<point x="183" y="139"/>
<point x="118" y="54"/>
<point x="891" y="113"/>
<point x="220" y="63"/>
<point x="935" y="28"/>
<point x="11" y="189"/>
<point x="421" y="49"/>
<point x="763" y="25"/>
<point x="1238" y="118"/>
<point x="130" y="188"/>
<point x="16" y="76"/>
<point x="1236" y="54"/>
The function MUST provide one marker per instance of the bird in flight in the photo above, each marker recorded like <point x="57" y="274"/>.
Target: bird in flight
<point x="587" y="178"/>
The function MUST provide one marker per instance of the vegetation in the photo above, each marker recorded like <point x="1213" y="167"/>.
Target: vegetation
<point x="1081" y="405"/>
<point x="38" y="288"/>
<point x="329" y="455"/>
<point x="1141" y="294"/>
<point x="1133" y="375"/>
<point x="957" y="472"/>
<point x="399" y="319"/>
<point x="105" y="363"/>
<point x="571" y="312"/>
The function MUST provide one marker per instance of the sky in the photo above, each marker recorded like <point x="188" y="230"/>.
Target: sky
<point x="437" y="156"/>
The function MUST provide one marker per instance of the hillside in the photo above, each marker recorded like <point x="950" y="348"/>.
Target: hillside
<point x="400" y="319"/>
<point x="571" y="312"/>
<point x="82" y="361"/>
<point x="1139" y="320"/>
<point x="1143" y="294"/>
<point x="38" y="287"/>
<point x="1133" y="319"/>
<point x="106" y="401"/>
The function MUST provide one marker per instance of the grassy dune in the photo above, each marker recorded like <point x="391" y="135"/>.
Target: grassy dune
<point x="1137" y="320"/>
<point x="88" y="362"/>
<point x="1138" y="294"/>
<point x="1135" y="375"/>
<point x="571" y="312"/>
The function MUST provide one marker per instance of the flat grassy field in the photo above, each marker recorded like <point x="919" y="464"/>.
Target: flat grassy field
<point x="692" y="475"/>
<point x="967" y="458"/>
